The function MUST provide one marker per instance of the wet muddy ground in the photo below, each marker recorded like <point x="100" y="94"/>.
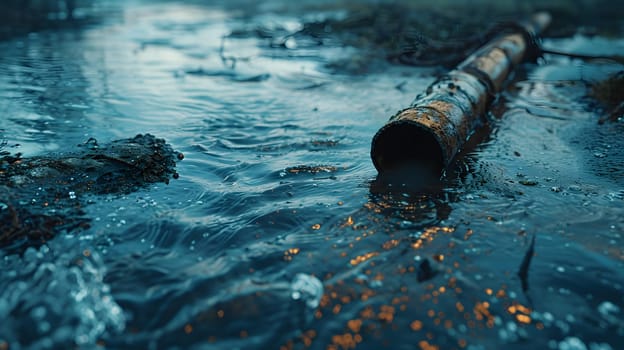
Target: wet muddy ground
<point x="278" y="233"/>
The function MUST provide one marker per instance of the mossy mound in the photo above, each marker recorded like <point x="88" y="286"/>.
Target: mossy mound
<point x="42" y="196"/>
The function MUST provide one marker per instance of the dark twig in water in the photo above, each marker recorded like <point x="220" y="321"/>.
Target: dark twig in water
<point x="425" y="271"/>
<point x="523" y="272"/>
<point x="614" y="58"/>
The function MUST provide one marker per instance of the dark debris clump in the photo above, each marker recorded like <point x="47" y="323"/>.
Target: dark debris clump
<point x="42" y="196"/>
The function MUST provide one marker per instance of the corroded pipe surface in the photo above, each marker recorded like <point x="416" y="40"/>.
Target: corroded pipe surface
<point x="433" y="129"/>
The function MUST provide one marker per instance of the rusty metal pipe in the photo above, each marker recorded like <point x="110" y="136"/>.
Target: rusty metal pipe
<point x="433" y="129"/>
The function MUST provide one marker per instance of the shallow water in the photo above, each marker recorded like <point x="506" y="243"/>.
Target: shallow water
<point x="277" y="193"/>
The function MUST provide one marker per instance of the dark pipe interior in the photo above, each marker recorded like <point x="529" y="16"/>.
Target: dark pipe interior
<point x="398" y="145"/>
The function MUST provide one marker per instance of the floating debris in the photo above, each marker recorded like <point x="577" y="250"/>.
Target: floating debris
<point x="315" y="169"/>
<point x="54" y="185"/>
<point x="528" y="182"/>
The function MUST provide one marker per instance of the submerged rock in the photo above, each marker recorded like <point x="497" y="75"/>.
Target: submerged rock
<point x="42" y="196"/>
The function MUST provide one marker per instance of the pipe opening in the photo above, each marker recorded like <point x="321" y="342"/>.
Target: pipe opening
<point x="403" y="144"/>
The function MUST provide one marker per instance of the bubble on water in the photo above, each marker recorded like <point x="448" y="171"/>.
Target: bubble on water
<point x="72" y="195"/>
<point x="415" y="235"/>
<point x="307" y="288"/>
<point x="572" y="343"/>
<point x="290" y="43"/>
<point x="361" y="277"/>
<point x="375" y="284"/>
<point x="607" y="308"/>
<point x="600" y="346"/>
<point x="406" y="224"/>
<point x="563" y="326"/>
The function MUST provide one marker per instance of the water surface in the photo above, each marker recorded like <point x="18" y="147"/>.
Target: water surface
<point x="278" y="233"/>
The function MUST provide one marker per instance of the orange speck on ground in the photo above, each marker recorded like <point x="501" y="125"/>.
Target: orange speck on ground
<point x="362" y="258"/>
<point x="459" y="306"/>
<point x="390" y="244"/>
<point x="386" y="313"/>
<point x="367" y="312"/>
<point x="424" y="345"/>
<point x="354" y="325"/>
<point x="416" y="325"/>
<point x="345" y="341"/>
<point x="523" y="318"/>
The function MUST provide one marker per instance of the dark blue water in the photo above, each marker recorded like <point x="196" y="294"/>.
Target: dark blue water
<point x="277" y="233"/>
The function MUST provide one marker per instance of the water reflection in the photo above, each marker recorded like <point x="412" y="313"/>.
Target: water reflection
<point x="46" y="93"/>
<point x="19" y="16"/>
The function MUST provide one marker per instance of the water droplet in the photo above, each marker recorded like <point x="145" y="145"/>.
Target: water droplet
<point x="290" y="43"/>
